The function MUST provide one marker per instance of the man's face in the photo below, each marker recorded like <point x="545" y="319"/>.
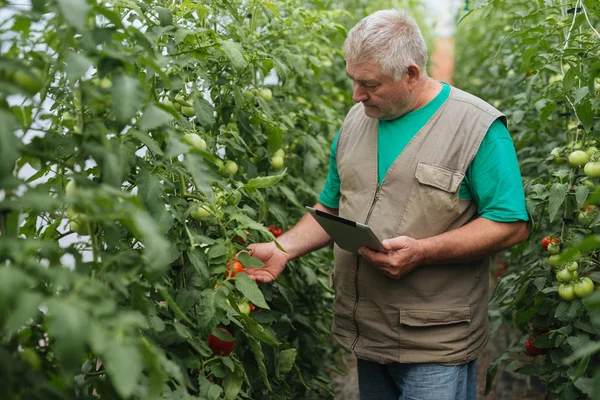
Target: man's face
<point x="382" y="97"/>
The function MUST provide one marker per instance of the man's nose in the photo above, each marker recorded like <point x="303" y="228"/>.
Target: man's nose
<point x="359" y="93"/>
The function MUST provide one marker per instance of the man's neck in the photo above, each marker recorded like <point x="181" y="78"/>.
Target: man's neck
<point x="426" y="91"/>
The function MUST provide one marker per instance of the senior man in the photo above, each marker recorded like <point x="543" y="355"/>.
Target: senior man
<point x="433" y="170"/>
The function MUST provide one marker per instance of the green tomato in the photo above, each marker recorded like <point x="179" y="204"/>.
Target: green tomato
<point x="592" y="169"/>
<point x="231" y="166"/>
<point x="31" y="80"/>
<point x="564" y="275"/>
<point x="195" y="141"/>
<point x="266" y="94"/>
<point x="553" y="248"/>
<point x="188" y="111"/>
<point x="78" y="225"/>
<point x="566" y="292"/>
<point x="277" y="162"/>
<point x="279" y="153"/>
<point x="554" y="260"/>
<point x="578" y="158"/>
<point x="573" y="266"/>
<point x="70" y="188"/>
<point x="592" y="150"/>
<point x="557" y="158"/>
<point x="200" y="212"/>
<point x="245" y="308"/>
<point x="584" y="287"/>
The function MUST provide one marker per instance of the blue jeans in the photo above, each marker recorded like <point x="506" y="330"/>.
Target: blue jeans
<point x="426" y="381"/>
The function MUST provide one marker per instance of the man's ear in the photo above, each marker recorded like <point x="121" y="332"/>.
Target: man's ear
<point x="414" y="75"/>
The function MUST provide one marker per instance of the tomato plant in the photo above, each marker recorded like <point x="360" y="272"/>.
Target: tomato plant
<point x="544" y="80"/>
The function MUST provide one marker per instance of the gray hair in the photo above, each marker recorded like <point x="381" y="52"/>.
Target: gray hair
<point x="390" y="38"/>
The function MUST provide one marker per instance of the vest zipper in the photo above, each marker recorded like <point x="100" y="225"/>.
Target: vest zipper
<point x="373" y="204"/>
<point x="355" y="304"/>
<point x="354" y="311"/>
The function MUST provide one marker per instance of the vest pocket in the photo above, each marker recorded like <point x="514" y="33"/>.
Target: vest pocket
<point x="439" y="334"/>
<point x="439" y="177"/>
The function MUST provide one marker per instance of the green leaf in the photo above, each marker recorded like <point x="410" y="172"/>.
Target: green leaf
<point x="154" y="117"/>
<point x="198" y="261"/>
<point x="583" y="351"/>
<point x="75" y="12"/>
<point x="208" y="309"/>
<point x="264" y="181"/>
<point x="285" y="361"/>
<point x="248" y="261"/>
<point x="232" y="384"/>
<point x="256" y="349"/>
<point x="126" y="97"/>
<point x="558" y="193"/>
<point x="9" y="144"/>
<point x="592" y="302"/>
<point x="204" y="111"/>
<point x="146" y="140"/>
<point x="124" y="365"/>
<point x="585" y="114"/>
<point x="165" y="16"/>
<point x="581" y="194"/>
<point x="26" y="309"/>
<point x="491" y="372"/>
<point x="250" y="289"/>
<point x="217" y="250"/>
<point x="68" y="324"/>
<point x="234" y="52"/>
<point x="202" y="174"/>
<point x="156" y="247"/>
<point x="77" y="66"/>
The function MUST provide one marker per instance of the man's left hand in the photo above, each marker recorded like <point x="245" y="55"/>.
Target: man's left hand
<point x="404" y="254"/>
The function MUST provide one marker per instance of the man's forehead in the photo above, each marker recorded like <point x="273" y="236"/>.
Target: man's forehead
<point x="364" y="71"/>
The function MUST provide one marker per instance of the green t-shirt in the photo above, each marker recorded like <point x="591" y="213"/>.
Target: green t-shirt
<point x="492" y="180"/>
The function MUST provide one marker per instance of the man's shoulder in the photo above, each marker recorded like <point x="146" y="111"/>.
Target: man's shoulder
<point x="471" y="101"/>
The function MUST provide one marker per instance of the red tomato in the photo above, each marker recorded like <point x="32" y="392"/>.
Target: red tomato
<point x="275" y="231"/>
<point x="233" y="268"/>
<point x="532" y="350"/>
<point x="219" y="346"/>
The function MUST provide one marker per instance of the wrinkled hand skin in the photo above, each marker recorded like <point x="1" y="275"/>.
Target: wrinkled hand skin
<point x="273" y="258"/>
<point x="403" y="255"/>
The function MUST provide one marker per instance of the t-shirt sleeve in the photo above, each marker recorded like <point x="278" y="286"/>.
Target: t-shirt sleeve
<point x="330" y="195"/>
<point x="495" y="179"/>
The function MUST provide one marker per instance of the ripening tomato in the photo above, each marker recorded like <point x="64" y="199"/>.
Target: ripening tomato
<point x="234" y="267"/>
<point x="547" y="240"/>
<point x="221" y="347"/>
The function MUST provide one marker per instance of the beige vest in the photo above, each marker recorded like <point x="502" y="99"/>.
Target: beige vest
<point x="436" y="313"/>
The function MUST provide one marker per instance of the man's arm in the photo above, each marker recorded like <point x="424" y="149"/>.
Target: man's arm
<point x="470" y="242"/>
<point x="306" y="236"/>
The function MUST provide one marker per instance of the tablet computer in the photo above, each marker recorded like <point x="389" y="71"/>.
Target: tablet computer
<point x="347" y="234"/>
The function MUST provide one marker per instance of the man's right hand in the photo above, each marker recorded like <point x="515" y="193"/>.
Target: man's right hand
<point x="273" y="258"/>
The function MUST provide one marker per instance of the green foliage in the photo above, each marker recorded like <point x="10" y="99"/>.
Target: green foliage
<point x="538" y="63"/>
<point x="114" y="288"/>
